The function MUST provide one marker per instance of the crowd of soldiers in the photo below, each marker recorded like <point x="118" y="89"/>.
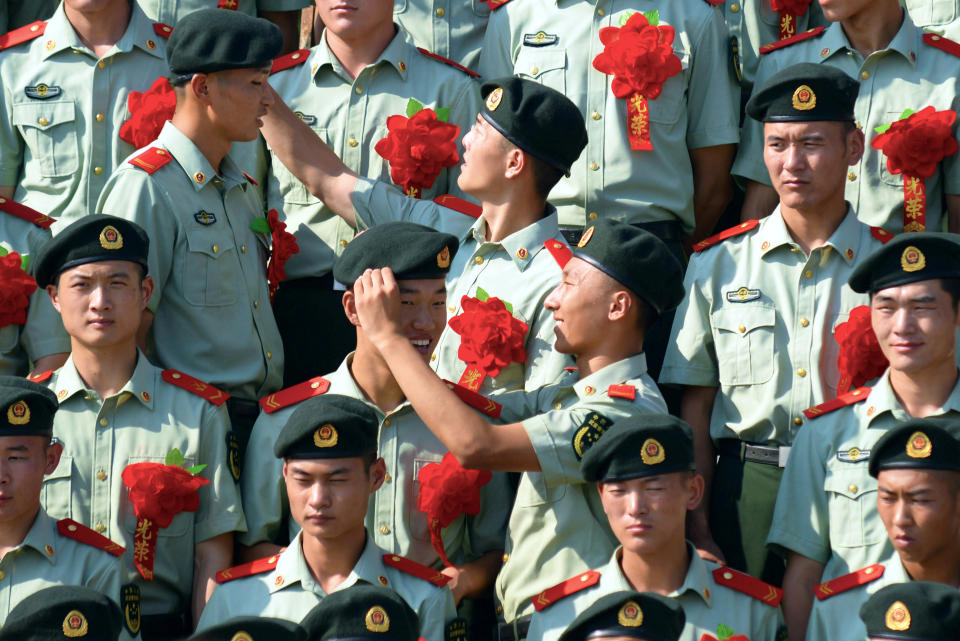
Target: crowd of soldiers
<point x="490" y="321"/>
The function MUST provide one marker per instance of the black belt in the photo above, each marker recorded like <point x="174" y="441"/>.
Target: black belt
<point x="514" y="631"/>
<point x="176" y="625"/>
<point x="242" y="407"/>
<point x="754" y="453"/>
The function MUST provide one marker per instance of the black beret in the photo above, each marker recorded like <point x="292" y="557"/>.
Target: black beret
<point x="921" y="443"/>
<point x="212" y="40"/>
<point x="362" y="611"/>
<point x="91" y="239"/>
<point x="805" y="92"/>
<point x="540" y="120"/>
<point x="410" y="250"/>
<point x="636" y="259"/>
<point x="908" y="258"/>
<point x="252" y="629"/>
<point x="913" y="611"/>
<point x="637" y="615"/>
<point x="63" y="612"/>
<point x="643" y="445"/>
<point x="329" y="426"/>
<point x="27" y="407"/>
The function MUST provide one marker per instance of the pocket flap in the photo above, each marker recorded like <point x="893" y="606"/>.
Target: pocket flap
<point x="533" y="62"/>
<point x="211" y="243"/>
<point x="43" y="115"/>
<point x="742" y="319"/>
<point x="852" y="484"/>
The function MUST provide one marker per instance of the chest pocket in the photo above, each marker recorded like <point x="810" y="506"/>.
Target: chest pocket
<point x="744" y="339"/>
<point x="181" y="524"/>
<point x="533" y="491"/>
<point x="544" y="65"/>
<point x="56" y="495"/>
<point x="291" y="189"/>
<point x="668" y="107"/>
<point x="209" y="277"/>
<point x="50" y="131"/>
<point x="932" y="12"/>
<point x="852" y="505"/>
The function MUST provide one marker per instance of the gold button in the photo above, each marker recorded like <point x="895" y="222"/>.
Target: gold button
<point x="601" y="12"/>
<point x="358" y="90"/>
<point x="588" y="390"/>
<point x="584" y="578"/>
<point x="256" y="304"/>
<point x="315" y="385"/>
<point x="498" y="609"/>
<point x="859" y="125"/>
<point x="452" y="308"/>
<point x="534" y="70"/>
<point x="100" y="527"/>
<point x="478" y="260"/>
<point x="2" y="574"/>
<point x="243" y="249"/>
<point x="797" y="421"/>
<point x="592" y="215"/>
<point x="851" y="176"/>
<point x="99" y="117"/>
<point x="594" y="166"/>
<point x="387" y="478"/>
<point x="804" y="322"/>
<point x="101" y="64"/>
<point x="176" y="375"/>
<point x="558" y="405"/>
<point x="43" y="122"/>
<point x="742" y="329"/>
<point x="808" y="274"/>
<point x="440" y="13"/>
<point x="104" y="422"/>
<point x="505" y="557"/>
<point x="386" y="422"/>
<point x="101" y="476"/>
<point x="801" y="372"/>
<point x="151" y="45"/>
<point x="727" y="575"/>
<point x="734" y="8"/>
<point x="98" y="170"/>
<point x="35" y="27"/>
<point x="216" y="249"/>
<point x="344" y="242"/>
<point x="595" y="115"/>
<point x="295" y="56"/>
<point x="384" y="529"/>
<point x="50" y="45"/>
<point x="864" y="75"/>
<point x="853" y="488"/>
<point x="353" y="142"/>
<point x="433" y="357"/>
<point x="72" y="528"/>
<point x="269" y="355"/>
<point x="402" y="65"/>
<point x="868" y="571"/>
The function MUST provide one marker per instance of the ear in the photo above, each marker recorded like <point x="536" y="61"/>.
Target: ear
<point x="54" y="451"/>
<point x="378" y="473"/>
<point x="146" y="289"/>
<point x="199" y="88"/>
<point x="54" y="293"/>
<point x="855" y="146"/>
<point x="620" y="305"/>
<point x="695" y="485"/>
<point x="350" y="307"/>
<point x="516" y="162"/>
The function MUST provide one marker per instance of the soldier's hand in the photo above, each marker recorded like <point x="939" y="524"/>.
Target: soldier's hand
<point x="377" y="298"/>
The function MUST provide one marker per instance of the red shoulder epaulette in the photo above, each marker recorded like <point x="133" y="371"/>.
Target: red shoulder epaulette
<point x="836" y="403"/>
<point x="79" y="532"/>
<point x="162" y="30"/>
<point x="742" y="228"/>
<point x="714" y="2"/>
<point x="848" y="581"/>
<point x="941" y="43"/>
<point x="628" y="392"/>
<point x="786" y="42"/>
<point x="565" y="589"/>
<point x="759" y="590"/>
<point x="289" y="60"/>
<point x="194" y="385"/>
<point x="250" y="178"/>
<point x="294" y="394"/>
<point x="413" y="568"/>
<point x="151" y="160"/>
<point x="23" y="34"/>
<point x="881" y="234"/>
<point x="478" y="402"/>
<point x="41" y="377"/>
<point x="248" y="569"/>
<point x="19" y="210"/>
<point x="453" y="64"/>
<point x="465" y="207"/>
<point x="496" y="4"/>
<point x="560" y="252"/>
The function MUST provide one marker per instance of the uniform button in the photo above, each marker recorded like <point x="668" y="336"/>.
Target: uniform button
<point x="386" y="422"/>
<point x="595" y="115"/>
<point x="592" y="215"/>
<point x="216" y="248"/>
<point x="452" y="308"/>
<point x="101" y="64"/>
<point x="256" y="304"/>
<point x="851" y="176"/>
<point x="558" y="405"/>
<point x="48" y="549"/>
<point x="384" y="529"/>
<point x="100" y="527"/>
<point x="498" y="610"/>
<point x="101" y="476"/>
<point x="269" y="355"/>
<point x="864" y="75"/>
<point x="383" y="580"/>
<point x="99" y="117"/>
<point x="801" y="372"/>
<point x="727" y="575"/>
<point x="741" y="329"/>
<point x="734" y="8"/>
<point x="358" y="90"/>
<point x="601" y="12"/>
<point x="243" y="249"/>
<point x="387" y="478"/>
<point x="43" y="122"/>
<point x="804" y="322"/>
<point x="797" y="421"/>
<point x="505" y="557"/>
<point x="104" y="422"/>
<point x="853" y="488"/>
<point x="534" y="70"/>
<point x="594" y="166"/>
<point x="478" y="260"/>
<point x="2" y="575"/>
<point x="441" y="13"/>
<point x="98" y="170"/>
<point x="353" y="142"/>
<point x="402" y="65"/>
<point x="588" y="390"/>
<point x="859" y="125"/>
<point x="808" y="274"/>
<point x="433" y="357"/>
<point x="35" y="27"/>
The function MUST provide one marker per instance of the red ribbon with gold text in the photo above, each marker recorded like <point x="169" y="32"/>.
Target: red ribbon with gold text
<point x="490" y="337"/>
<point x="790" y="11"/>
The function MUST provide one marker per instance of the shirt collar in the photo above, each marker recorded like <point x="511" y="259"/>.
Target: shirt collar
<point x="194" y="164"/>
<point x="906" y="42"/>
<point x="397" y="55"/>
<point x="882" y="399"/>
<point x="633" y="367"/>
<point x="42" y="537"/>
<point x="699" y="579"/>
<point x="347" y="386"/>
<point x="292" y="568"/>
<point x="142" y="385"/>
<point x="845" y="240"/>
<point x="59" y="34"/>
<point x="522" y="245"/>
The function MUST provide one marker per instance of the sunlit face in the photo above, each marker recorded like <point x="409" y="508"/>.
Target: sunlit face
<point x="423" y="312"/>
<point x="24" y="460"/>
<point x="484" y="159"/>
<point x="921" y="511"/>
<point x="239" y="98"/>
<point x="840" y="10"/>
<point x="580" y="304"/>
<point x="355" y="19"/>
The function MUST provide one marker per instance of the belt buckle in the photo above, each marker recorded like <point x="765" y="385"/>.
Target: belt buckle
<point x="783" y="453"/>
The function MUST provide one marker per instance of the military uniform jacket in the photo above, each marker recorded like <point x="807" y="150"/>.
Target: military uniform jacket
<point x="518" y="270"/>
<point x="938" y="16"/>
<point x="393" y="520"/>
<point x="827" y="475"/>
<point x="211" y="304"/>
<point x="698" y="107"/>
<point x="907" y="74"/>
<point x="350" y="116"/>
<point x="289" y="591"/>
<point x="61" y="110"/>
<point x="170" y="11"/>
<point x="705" y="602"/>
<point x="143" y="422"/>
<point x="453" y="30"/>
<point x="557" y="527"/>
<point x="758" y="323"/>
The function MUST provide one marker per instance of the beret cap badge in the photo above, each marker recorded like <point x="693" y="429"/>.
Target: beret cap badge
<point x="443" y="258"/>
<point x="241" y="636"/>
<point x="630" y="615"/>
<point x="919" y="446"/>
<point x="912" y="259"/>
<point x="493" y="100"/>
<point x="325" y="436"/>
<point x="804" y="99"/>
<point x="897" y="617"/>
<point x="377" y="619"/>
<point x="18" y="413"/>
<point x="110" y="238"/>
<point x="75" y="625"/>
<point x="587" y="235"/>
<point x="652" y="452"/>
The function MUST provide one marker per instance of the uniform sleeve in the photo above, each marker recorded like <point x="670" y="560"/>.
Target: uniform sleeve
<point x="376" y="202"/>
<point x="496" y="57"/>
<point x="106" y="579"/>
<point x="713" y="102"/>
<point x="487" y="530"/>
<point x="220" y="507"/>
<point x="264" y="494"/>
<point x="11" y="144"/>
<point x="749" y="160"/>
<point x="691" y="358"/>
<point x="435" y="613"/>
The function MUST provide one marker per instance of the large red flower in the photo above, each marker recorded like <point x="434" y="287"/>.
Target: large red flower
<point x="284" y="246"/>
<point x="149" y="110"/>
<point x="916" y="144"/>
<point x="418" y="148"/>
<point x="860" y="359"/>
<point x="640" y="57"/>
<point x="490" y="337"/>
<point x="448" y="490"/>
<point x="159" y="492"/>
<point x="16" y="286"/>
<point x="793" y="7"/>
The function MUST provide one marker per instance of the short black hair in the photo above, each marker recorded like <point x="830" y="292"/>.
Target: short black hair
<point x="545" y="175"/>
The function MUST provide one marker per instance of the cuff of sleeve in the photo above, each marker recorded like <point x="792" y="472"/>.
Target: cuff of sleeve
<point x="207" y="528"/>
<point x="783" y="542"/>
<point x="538" y="431"/>
<point x="713" y="137"/>
<point x="748" y="169"/>
<point x="56" y="345"/>
<point x="361" y="197"/>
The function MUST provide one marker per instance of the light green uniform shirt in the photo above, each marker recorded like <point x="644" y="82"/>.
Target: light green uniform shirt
<point x="518" y="270"/>
<point x="827" y="504"/>
<point x="350" y="116"/>
<point x="557" y="527"/>
<point x="43" y="333"/>
<point x="705" y="603"/>
<point x="211" y="304"/>
<point x="393" y="520"/>
<point x="758" y="323"/>
<point x="170" y="11"/>
<point x="143" y="422"/>
<point x="698" y="107"/>
<point x="938" y="16"/>
<point x="59" y="150"/>
<point x="289" y="591"/>
<point x="453" y="30"/>
<point x="907" y="74"/>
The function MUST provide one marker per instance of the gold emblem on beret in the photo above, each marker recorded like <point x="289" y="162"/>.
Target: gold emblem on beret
<point x="241" y="636"/>
<point x="443" y="258"/>
<point x="110" y="238"/>
<point x="919" y="446"/>
<point x="326" y="436"/>
<point x="494" y="98"/>
<point x="652" y="452"/>
<point x="898" y="617"/>
<point x="587" y="235"/>
<point x="804" y="99"/>
<point x="377" y="619"/>
<point x="75" y="625"/>
<point x="630" y="615"/>
<point x="18" y="413"/>
<point x="912" y="259"/>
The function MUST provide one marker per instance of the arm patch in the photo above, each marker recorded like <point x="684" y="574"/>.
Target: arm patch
<point x="590" y="430"/>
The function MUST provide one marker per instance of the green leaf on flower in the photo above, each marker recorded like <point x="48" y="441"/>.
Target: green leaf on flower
<point x="4" y="251"/>
<point x="626" y="16"/>
<point x="653" y="17"/>
<point x="508" y="306"/>
<point x="25" y="262"/>
<point x="882" y="129"/>
<point x="443" y="114"/>
<point x="196" y="469"/>
<point x="413" y="107"/>
<point x="175" y="458"/>
<point x="482" y="294"/>
<point x="260" y="225"/>
<point x="724" y="632"/>
<point x="907" y="113"/>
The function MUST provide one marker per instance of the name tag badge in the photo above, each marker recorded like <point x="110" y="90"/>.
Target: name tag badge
<point x="42" y="91"/>
<point x="539" y="39"/>
<point x="853" y="455"/>
<point x="205" y="217"/>
<point x="307" y="118"/>
<point x="743" y="295"/>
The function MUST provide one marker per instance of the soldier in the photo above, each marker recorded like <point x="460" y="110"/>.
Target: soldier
<point x="916" y="611"/>
<point x="753" y="342"/>
<point x="453" y="30"/>
<point x="252" y="629"/>
<point x="646" y="500"/>
<point x="65" y="87"/>
<point x="917" y="467"/>
<point x="117" y="410"/>
<point x="210" y="312"/>
<point x="631" y="615"/>
<point x="618" y="280"/>
<point x="362" y="612"/>
<point x="915" y="313"/>
<point x="331" y="467"/>
<point x="63" y="612"/>
<point x="899" y="67"/>
<point x="364" y="71"/>
<point x="37" y="550"/>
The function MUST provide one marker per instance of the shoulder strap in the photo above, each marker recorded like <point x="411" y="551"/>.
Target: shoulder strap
<point x="294" y="394"/>
<point x="881" y="234"/>
<point x="477" y="401"/>
<point x="628" y="392"/>
<point x="941" y="43"/>
<point x="248" y="569"/>
<point x="759" y="590"/>
<point x="19" y="210"/>
<point x="560" y="252"/>
<point x="151" y="160"/>
<point x="459" y="204"/>
<point x="162" y="30"/>
<point x="79" y="532"/>
<point x="195" y="386"/>
<point x="848" y="581"/>
<point x="23" y="34"/>
<point x="413" y="568"/>
<point x="290" y="60"/>
<point x="737" y="230"/>
<point x="849" y="398"/>
<point x="455" y="65"/>
<point x="786" y="42"/>
<point x="564" y="589"/>
<point x="41" y="377"/>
